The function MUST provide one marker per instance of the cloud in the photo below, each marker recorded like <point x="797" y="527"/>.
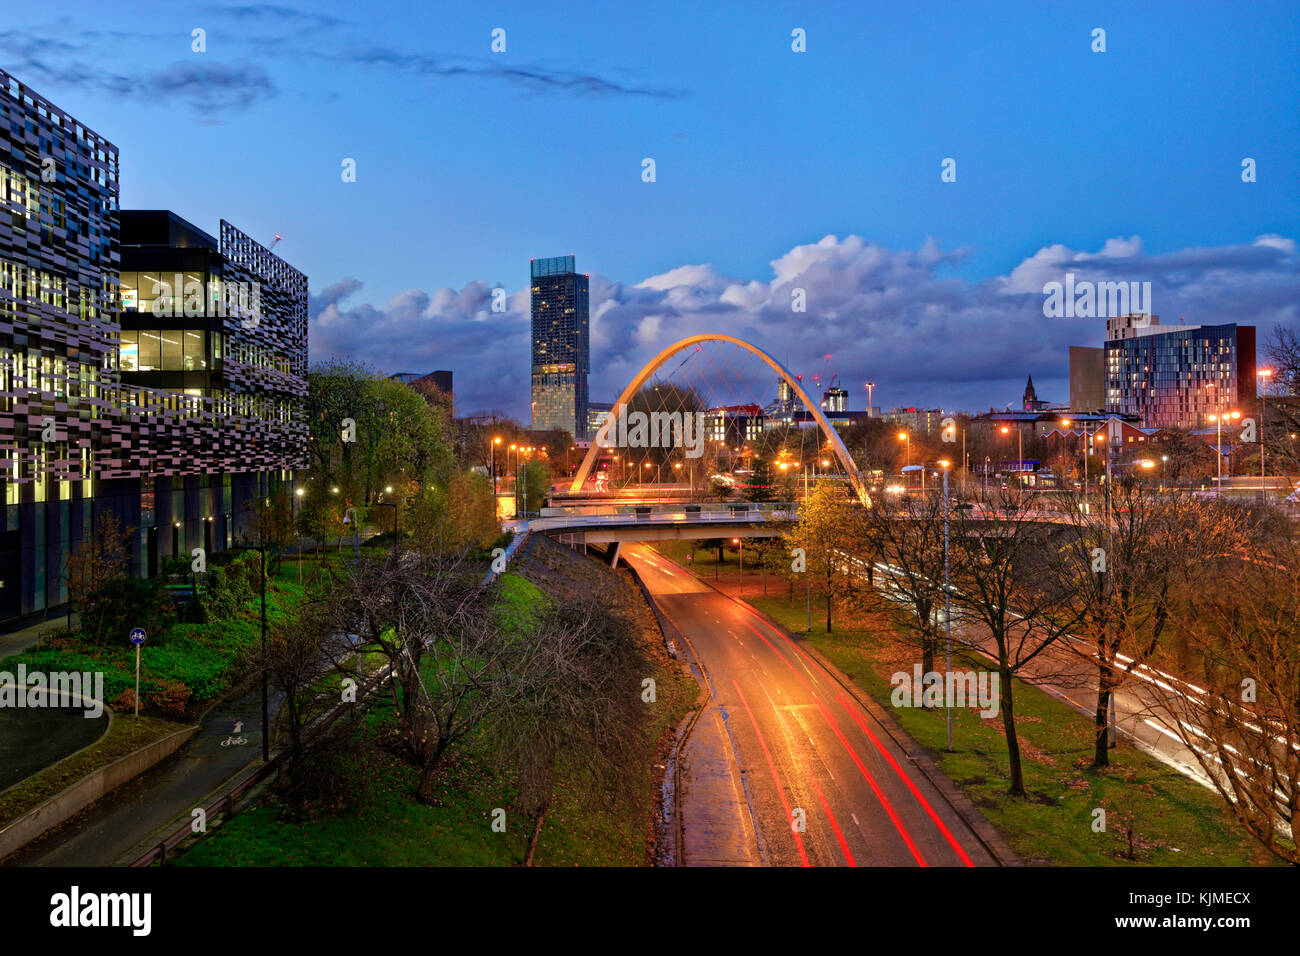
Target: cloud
<point x="537" y="78"/>
<point x="211" y="88"/>
<point x="886" y="315"/>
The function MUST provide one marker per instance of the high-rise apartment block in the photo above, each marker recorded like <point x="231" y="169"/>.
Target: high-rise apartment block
<point x="561" y="345"/>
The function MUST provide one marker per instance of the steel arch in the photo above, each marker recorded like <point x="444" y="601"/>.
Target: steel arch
<point x="657" y="362"/>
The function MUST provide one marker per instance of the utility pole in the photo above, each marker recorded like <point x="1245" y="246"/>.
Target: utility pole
<point x="947" y="605"/>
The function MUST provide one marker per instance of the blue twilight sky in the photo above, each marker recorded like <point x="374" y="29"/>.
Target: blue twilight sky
<point x="775" y="170"/>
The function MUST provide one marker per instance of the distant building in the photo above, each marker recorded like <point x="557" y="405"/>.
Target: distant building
<point x="919" y="420"/>
<point x="1176" y="376"/>
<point x="597" y="412"/>
<point x="1087" y="379"/>
<point x="835" y="400"/>
<point x="561" y="345"/>
<point x="1030" y="401"/>
<point x="733" y="425"/>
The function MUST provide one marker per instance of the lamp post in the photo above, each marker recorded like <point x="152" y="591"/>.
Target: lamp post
<point x="741" y="548"/>
<point x="1020" y="452"/>
<point x="1265" y="374"/>
<point x="393" y="505"/>
<point x="294" y="515"/>
<point x="356" y="536"/>
<point x="493" y="448"/>
<point x="266" y="725"/>
<point x="905" y="437"/>
<point x="947" y="605"/>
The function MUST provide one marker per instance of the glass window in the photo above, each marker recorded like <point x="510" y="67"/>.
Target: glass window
<point x="130" y="291"/>
<point x="150" y="351"/>
<point x="195" y="357"/>
<point x="130" y="351"/>
<point x="173" y="354"/>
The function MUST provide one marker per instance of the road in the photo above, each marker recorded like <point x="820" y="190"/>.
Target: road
<point x="781" y="741"/>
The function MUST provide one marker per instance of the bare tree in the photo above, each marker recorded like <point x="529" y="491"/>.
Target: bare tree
<point x="1012" y="611"/>
<point x="578" y="692"/>
<point x="1124" y="570"/>
<point x="1240" y="720"/>
<point x="906" y="535"/>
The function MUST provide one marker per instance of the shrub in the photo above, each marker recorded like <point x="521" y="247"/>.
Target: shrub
<point x="168" y="696"/>
<point x="129" y="603"/>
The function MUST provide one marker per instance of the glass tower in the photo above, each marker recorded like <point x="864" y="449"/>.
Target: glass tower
<point x="561" y="345"/>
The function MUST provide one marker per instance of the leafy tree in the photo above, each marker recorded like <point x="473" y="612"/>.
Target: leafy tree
<point x="96" y="562"/>
<point x="760" y="486"/>
<point x="827" y="530"/>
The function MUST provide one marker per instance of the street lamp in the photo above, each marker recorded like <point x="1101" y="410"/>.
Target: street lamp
<point x="493" y="448"/>
<point x="904" y="436"/>
<point x="294" y="518"/>
<point x="947" y="602"/>
<point x="266" y="726"/>
<point x="741" y="548"/>
<point x="1020" y="453"/>
<point x="1265" y="374"/>
<point x="1218" y="419"/>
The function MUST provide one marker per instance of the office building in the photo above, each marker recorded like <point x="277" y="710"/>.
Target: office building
<point x="1176" y="376"/>
<point x="561" y="345"/>
<point x="147" y="369"/>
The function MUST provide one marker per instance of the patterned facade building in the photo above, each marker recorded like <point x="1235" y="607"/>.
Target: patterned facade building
<point x="177" y="417"/>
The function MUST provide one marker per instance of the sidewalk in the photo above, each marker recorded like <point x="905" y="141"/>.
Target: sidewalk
<point x="26" y="632"/>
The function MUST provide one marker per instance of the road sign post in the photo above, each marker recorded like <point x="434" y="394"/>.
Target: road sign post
<point x="137" y="638"/>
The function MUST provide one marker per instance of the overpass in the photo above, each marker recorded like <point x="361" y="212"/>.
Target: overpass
<point x="614" y="524"/>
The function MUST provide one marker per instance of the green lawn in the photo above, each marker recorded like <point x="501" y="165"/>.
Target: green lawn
<point x="1176" y="821"/>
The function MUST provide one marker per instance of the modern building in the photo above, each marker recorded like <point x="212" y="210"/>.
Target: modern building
<point x="1176" y="376"/>
<point x="835" y="400"/>
<point x="597" y="412"/>
<point x="1087" y="379"/>
<point x="561" y="345"/>
<point x="147" y="369"/>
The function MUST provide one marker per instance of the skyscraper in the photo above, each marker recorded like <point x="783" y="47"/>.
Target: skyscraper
<point x="561" y="345"/>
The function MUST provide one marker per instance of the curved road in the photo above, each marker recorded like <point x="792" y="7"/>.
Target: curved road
<point x="781" y="742"/>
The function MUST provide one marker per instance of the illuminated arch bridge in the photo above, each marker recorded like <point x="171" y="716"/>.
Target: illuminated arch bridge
<point x="718" y="391"/>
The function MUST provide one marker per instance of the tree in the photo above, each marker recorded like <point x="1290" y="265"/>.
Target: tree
<point x="1240" y="717"/>
<point x="1123" y="574"/>
<point x="96" y="562"/>
<point x="760" y="487"/>
<point x="906" y="534"/>
<point x="827" y="528"/>
<point x="579" y="692"/>
<point x="1010" y="610"/>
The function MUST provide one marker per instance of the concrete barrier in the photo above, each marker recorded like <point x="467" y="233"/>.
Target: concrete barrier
<point x="71" y="801"/>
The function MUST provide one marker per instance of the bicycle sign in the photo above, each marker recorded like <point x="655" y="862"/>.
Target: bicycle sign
<point x="233" y="741"/>
<point x="137" y="635"/>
